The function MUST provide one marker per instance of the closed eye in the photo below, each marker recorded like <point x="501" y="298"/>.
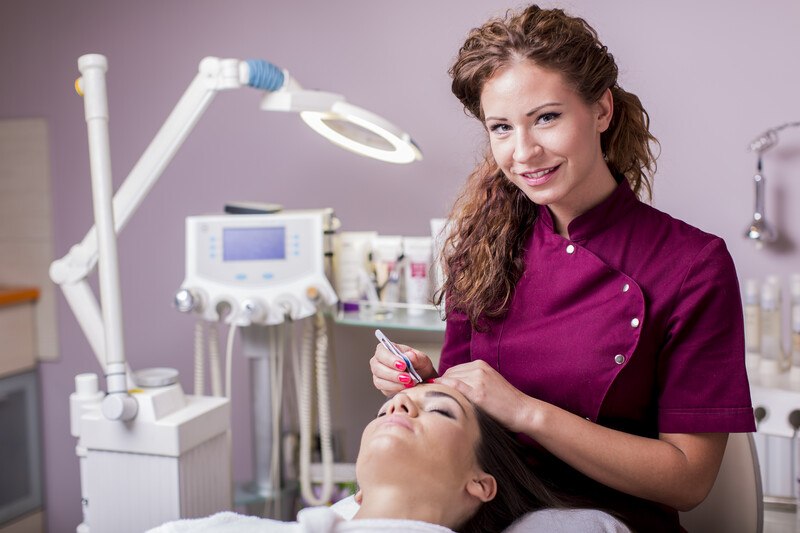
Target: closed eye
<point x="443" y="412"/>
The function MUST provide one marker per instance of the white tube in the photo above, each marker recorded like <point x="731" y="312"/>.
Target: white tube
<point x="417" y="256"/>
<point x="93" y="68"/>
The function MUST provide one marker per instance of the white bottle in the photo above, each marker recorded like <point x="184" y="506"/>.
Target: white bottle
<point x="752" y="323"/>
<point x="794" y="373"/>
<point x="771" y="345"/>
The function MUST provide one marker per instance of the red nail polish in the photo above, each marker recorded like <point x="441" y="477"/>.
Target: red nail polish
<point x="429" y="381"/>
<point x="408" y="385"/>
<point x="399" y="365"/>
<point x="404" y="378"/>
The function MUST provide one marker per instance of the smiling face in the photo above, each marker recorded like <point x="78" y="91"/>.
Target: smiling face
<point x="546" y="139"/>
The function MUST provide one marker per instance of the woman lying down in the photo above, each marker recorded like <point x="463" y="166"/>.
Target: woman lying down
<point x="429" y="462"/>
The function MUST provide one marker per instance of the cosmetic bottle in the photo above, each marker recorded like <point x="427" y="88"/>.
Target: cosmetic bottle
<point x="794" y="373"/>
<point x="771" y="346"/>
<point x="417" y="253"/>
<point x="752" y="324"/>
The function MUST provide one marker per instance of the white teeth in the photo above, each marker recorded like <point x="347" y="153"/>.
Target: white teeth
<point x="535" y="175"/>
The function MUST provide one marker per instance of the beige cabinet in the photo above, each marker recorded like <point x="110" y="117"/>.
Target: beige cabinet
<point x="17" y="329"/>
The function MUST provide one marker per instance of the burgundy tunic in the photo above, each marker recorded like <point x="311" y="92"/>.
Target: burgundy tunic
<point x="635" y="323"/>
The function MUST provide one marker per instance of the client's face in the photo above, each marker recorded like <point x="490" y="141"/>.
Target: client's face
<point x="425" y="434"/>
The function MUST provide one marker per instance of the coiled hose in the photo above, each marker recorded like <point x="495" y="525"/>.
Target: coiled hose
<point x="316" y="329"/>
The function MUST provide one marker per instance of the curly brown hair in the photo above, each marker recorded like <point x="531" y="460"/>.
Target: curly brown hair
<point x="483" y="254"/>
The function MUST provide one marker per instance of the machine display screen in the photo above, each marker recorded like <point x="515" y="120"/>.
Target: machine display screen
<point x="253" y="244"/>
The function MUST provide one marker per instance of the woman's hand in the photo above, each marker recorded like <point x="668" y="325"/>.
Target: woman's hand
<point x="389" y="373"/>
<point x="490" y="391"/>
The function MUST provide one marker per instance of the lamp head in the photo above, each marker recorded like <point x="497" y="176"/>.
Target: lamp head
<point x="346" y="125"/>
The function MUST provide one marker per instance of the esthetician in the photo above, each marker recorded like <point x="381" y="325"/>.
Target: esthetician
<point x="606" y="333"/>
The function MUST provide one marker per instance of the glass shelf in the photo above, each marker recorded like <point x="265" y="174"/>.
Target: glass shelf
<point x="391" y="315"/>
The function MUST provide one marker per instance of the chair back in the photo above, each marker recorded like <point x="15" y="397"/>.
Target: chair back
<point x="736" y="501"/>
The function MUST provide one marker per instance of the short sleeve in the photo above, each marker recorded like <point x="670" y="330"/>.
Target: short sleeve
<point x="702" y="376"/>
<point x="457" y="338"/>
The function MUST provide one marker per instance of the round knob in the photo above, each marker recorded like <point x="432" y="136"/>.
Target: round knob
<point x="186" y="301"/>
<point x="253" y="310"/>
<point x="119" y="406"/>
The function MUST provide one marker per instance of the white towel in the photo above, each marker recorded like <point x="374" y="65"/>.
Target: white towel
<point x="309" y="520"/>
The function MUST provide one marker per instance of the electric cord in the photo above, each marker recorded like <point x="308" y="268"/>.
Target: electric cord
<point x="229" y="358"/>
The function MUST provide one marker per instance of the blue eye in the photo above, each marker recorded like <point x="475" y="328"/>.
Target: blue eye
<point x="499" y="128"/>
<point x="546" y="118"/>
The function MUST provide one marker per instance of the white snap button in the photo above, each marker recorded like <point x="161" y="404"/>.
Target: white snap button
<point x="570" y="249"/>
<point x="619" y="358"/>
<point x="626" y="288"/>
<point x="635" y="323"/>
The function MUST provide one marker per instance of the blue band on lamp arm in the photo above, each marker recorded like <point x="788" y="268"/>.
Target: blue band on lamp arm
<point x="264" y="75"/>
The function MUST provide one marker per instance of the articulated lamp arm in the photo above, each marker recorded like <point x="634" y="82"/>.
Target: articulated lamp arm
<point x="346" y="125"/>
<point x="71" y="271"/>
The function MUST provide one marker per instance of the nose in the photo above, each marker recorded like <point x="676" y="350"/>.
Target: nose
<point x="525" y="146"/>
<point x="401" y="403"/>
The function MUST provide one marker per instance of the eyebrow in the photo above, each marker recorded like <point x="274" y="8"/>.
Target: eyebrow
<point x="529" y="113"/>
<point x="434" y="394"/>
<point x="439" y="394"/>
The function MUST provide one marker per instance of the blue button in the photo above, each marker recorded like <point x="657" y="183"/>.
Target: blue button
<point x="267" y="275"/>
<point x="241" y="277"/>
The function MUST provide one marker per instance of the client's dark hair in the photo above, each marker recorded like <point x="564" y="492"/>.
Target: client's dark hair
<point x="519" y="491"/>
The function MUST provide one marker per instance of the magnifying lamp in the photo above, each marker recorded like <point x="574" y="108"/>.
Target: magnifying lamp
<point x="344" y="124"/>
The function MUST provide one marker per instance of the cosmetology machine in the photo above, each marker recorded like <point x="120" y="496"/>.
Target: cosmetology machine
<point x="263" y="273"/>
<point x="148" y="452"/>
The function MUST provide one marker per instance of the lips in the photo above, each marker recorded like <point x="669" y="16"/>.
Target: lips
<point x="539" y="177"/>
<point x="397" y="420"/>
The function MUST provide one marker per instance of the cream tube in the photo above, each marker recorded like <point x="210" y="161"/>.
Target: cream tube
<point x="417" y="255"/>
<point x="386" y="252"/>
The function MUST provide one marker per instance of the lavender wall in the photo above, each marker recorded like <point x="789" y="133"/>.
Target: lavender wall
<point x="711" y="76"/>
